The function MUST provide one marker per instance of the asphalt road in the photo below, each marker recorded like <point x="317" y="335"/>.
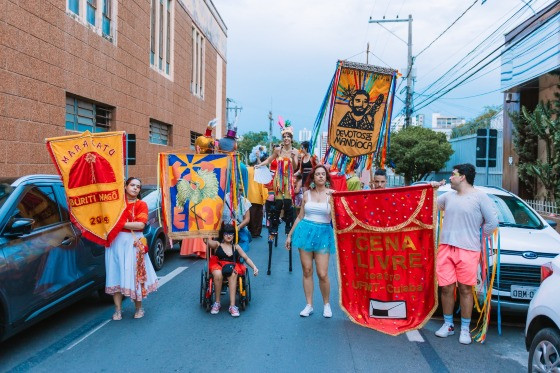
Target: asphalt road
<point x="177" y="335"/>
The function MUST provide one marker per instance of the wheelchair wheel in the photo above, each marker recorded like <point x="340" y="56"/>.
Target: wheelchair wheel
<point x="209" y="299"/>
<point x="202" y="287"/>
<point x="248" y="287"/>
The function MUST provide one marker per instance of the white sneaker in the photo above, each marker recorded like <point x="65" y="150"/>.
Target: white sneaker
<point x="465" y="337"/>
<point x="215" y="308"/>
<point x="446" y="330"/>
<point x="327" y="312"/>
<point x="308" y="310"/>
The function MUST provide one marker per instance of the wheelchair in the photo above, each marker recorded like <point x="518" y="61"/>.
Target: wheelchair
<point x="207" y="292"/>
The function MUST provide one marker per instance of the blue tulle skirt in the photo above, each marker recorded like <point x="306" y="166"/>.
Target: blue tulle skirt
<point x="314" y="237"/>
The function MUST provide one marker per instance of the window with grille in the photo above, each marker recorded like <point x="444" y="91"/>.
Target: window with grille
<point x="160" y="133"/>
<point x="161" y="25"/>
<point x="84" y="115"/>
<point x="194" y="136"/>
<point x="197" y="81"/>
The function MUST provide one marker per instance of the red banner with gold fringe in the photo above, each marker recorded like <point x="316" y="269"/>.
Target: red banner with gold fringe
<point x="386" y="256"/>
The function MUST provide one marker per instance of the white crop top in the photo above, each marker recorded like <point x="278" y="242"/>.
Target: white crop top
<point x="318" y="212"/>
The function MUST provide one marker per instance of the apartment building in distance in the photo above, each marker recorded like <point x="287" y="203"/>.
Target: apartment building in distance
<point x="155" y="69"/>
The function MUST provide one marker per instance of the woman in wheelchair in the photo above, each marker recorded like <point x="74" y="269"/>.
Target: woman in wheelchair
<point x="224" y="262"/>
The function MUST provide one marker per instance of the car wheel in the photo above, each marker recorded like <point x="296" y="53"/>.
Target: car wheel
<point x="157" y="253"/>
<point x="544" y="352"/>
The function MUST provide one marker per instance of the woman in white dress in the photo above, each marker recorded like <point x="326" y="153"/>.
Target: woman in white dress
<point x="129" y="271"/>
<point x="313" y="235"/>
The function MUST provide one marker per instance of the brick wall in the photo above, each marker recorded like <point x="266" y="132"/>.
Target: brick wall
<point x="45" y="54"/>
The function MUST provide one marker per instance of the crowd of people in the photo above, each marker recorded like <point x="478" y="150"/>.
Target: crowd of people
<point x="302" y="187"/>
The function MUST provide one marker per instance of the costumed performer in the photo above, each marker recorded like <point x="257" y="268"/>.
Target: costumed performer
<point x="313" y="235"/>
<point x="257" y="193"/>
<point x="129" y="271"/>
<point x="286" y="158"/>
<point x="224" y="262"/>
<point x="203" y="144"/>
<point x="307" y="162"/>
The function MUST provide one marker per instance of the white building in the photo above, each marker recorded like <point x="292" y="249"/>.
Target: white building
<point x="304" y="135"/>
<point x="442" y="121"/>
<point x="397" y="123"/>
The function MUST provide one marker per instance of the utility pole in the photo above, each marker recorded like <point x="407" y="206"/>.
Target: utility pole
<point x="271" y="120"/>
<point x="229" y="108"/>
<point x="410" y="61"/>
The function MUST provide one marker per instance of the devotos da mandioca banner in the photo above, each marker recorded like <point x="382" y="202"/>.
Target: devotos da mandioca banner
<point x="360" y="107"/>
<point x="386" y="255"/>
<point x="92" y="170"/>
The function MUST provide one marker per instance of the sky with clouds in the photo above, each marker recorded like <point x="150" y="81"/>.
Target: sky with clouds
<point x="281" y="55"/>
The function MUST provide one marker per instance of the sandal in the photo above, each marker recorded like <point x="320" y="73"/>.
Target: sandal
<point x="117" y="315"/>
<point x="139" y="313"/>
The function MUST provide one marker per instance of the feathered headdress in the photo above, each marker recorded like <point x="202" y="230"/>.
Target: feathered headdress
<point x="205" y="143"/>
<point x="285" y="127"/>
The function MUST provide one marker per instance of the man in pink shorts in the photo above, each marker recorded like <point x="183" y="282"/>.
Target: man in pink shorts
<point x="467" y="211"/>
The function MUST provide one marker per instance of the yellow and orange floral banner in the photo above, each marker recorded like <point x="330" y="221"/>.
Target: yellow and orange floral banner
<point x="193" y="190"/>
<point x="386" y="256"/>
<point x="92" y="169"/>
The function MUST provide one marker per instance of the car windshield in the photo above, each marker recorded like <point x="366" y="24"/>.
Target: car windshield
<point x="5" y="191"/>
<point x="513" y="212"/>
<point x="152" y="199"/>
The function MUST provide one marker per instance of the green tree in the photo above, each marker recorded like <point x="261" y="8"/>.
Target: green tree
<point x="417" y="151"/>
<point x="252" y="139"/>
<point x="544" y="122"/>
<point x="481" y="121"/>
<point x="526" y="144"/>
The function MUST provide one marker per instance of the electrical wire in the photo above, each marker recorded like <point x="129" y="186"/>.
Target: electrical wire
<point x="439" y="95"/>
<point x="447" y="29"/>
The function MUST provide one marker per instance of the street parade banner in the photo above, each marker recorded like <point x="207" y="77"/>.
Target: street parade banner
<point x="386" y="256"/>
<point x="357" y="109"/>
<point x="92" y="170"/>
<point x="362" y="93"/>
<point x="193" y="190"/>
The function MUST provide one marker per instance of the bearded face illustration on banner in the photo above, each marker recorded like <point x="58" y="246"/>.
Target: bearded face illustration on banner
<point x="360" y="107"/>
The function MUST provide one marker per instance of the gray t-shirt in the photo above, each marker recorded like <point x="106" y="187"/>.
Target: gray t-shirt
<point x="464" y="216"/>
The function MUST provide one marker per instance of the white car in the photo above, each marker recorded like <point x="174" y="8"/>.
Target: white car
<point x="527" y="241"/>
<point x="542" y="331"/>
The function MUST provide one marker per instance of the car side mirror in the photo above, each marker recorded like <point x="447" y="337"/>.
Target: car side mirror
<point x="19" y="227"/>
<point x="552" y="223"/>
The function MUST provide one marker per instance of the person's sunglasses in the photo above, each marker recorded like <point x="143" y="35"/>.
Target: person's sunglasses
<point x="228" y="233"/>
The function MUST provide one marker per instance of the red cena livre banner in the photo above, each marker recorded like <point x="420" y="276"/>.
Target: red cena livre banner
<point x="386" y="256"/>
<point x="92" y="169"/>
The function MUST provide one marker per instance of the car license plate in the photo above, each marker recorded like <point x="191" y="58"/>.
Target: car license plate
<point x="523" y="292"/>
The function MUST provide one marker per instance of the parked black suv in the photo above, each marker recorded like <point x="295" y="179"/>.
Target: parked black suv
<point x="45" y="263"/>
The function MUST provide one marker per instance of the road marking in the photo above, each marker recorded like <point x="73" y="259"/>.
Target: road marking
<point x="86" y="335"/>
<point x="161" y="281"/>
<point x="414" y="336"/>
<point x="168" y="277"/>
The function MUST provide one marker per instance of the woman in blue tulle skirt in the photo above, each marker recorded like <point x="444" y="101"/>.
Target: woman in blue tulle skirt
<point x="312" y="234"/>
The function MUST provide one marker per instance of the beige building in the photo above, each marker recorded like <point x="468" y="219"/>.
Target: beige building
<point x="155" y="69"/>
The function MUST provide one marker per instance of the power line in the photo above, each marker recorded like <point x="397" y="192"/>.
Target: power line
<point x="447" y="29"/>
<point x="486" y="64"/>
<point x="473" y="51"/>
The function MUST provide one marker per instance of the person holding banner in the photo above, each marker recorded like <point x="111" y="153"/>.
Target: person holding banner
<point x="314" y="237"/>
<point x="469" y="213"/>
<point x="307" y="161"/>
<point x="129" y="271"/>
